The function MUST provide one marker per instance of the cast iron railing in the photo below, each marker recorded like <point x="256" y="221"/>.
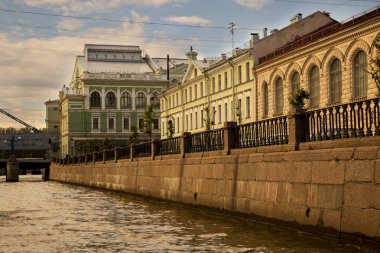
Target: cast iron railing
<point x="124" y="152"/>
<point x="143" y="150"/>
<point x="206" y="141"/>
<point x="98" y="156"/>
<point x="351" y="120"/>
<point x="169" y="146"/>
<point x="110" y="155"/>
<point x="262" y="133"/>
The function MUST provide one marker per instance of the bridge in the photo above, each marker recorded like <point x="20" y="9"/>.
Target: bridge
<point x="26" y="165"/>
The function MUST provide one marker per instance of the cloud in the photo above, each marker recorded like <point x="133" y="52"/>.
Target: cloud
<point x="253" y="4"/>
<point x="188" y="20"/>
<point x="91" y="6"/>
<point x="69" y="25"/>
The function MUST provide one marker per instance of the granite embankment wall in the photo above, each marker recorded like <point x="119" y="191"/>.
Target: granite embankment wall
<point x="321" y="187"/>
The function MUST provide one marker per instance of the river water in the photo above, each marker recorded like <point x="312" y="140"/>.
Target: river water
<point x="38" y="216"/>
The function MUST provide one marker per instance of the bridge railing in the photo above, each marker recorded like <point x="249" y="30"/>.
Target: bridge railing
<point x="169" y="146"/>
<point x="143" y="150"/>
<point x="211" y="140"/>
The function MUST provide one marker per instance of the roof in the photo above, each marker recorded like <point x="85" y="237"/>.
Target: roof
<point x="116" y="67"/>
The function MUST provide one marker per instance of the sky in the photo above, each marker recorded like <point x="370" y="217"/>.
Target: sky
<point x="39" y="39"/>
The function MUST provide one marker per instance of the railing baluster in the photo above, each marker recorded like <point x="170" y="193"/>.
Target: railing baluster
<point x="368" y="118"/>
<point x="376" y="116"/>
<point x="360" y="120"/>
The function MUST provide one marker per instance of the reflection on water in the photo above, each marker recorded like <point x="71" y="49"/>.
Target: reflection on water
<point x="38" y="216"/>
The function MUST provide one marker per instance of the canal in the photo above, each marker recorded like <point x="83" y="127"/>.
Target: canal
<point x="38" y="216"/>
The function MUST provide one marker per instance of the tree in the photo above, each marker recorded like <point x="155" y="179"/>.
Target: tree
<point x="148" y="120"/>
<point x="297" y="100"/>
<point x="208" y="121"/>
<point x="375" y="64"/>
<point x="107" y="144"/>
<point x="134" y="136"/>
<point x="170" y="128"/>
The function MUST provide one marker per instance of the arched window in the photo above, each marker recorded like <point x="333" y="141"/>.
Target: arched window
<point x="314" y="86"/>
<point x="126" y="100"/>
<point x="110" y="100"/>
<point x="95" y="99"/>
<point x="279" y="96"/>
<point x="360" y="75"/>
<point x="140" y="100"/>
<point x="155" y="101"/>
<point x="295" y="82"/>
<point x="265" y="100"/>
<point x="335" y="76"/>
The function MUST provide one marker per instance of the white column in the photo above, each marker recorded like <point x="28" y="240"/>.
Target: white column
<point x="118" y="98"/>
<point x="133" y="99"/>
<point x="103" y="99"/>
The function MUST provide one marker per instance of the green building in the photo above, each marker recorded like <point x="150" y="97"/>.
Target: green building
<point x="110" y="88"/>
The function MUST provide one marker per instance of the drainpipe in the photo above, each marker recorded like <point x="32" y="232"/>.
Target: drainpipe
<point x="256" y="96"/>
<point x="233" y="89"/>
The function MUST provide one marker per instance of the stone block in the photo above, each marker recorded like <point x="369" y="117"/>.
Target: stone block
<point x="318" y="155"/>
<point x="377" y="172"/>
<point x="205" y="171"/>
<point x="360" y="171"/>
<point x="256" y="158"/>
<point x="257" y="190"/>
<point x="298" y="172"/>
<point x="242" y="205"/>
<point x="272" y="189"/>
<point x="229" y="170"/>
<point x="283" y="193"/>
<point x="366" y="153"/>
<point x="358" y="195"/>
<point x="375" y="197"/>
<point x="261" y="171"/>
<point x="327" y="172"/>
<point x="276" y="171"/>
<point x="294" y="156"/>
<point x="342" y="154"/>
<point x="361" y="221"/>
<point x="326" y="196"/>
<point x="331" y="219"/>
<point x="299" y="194"/>
<point x="242" y="159"/>
<point x="273" y="157"/>
<point x="246" y="171"/>
<point x="218" y="171"/>
<point x="241" y="189"/>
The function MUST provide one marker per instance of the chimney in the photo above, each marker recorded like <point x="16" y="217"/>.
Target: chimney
<point x="273" y="31"/>
<point x="254" y="38"/>
<point x="224" y="57"/>
<point x="265" y="32"/>
<point x="191" y="55"/>
<point x="296" y="18"/>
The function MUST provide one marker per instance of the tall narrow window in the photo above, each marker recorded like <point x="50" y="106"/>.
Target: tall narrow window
<point x="141" y="124"/>
<point x="238" y="111"/>
<point x="239" y="74"/>
<point x="187" y="122"/>
<point x="202" y="118"/>
<point x="126" y="123"/>
<point x="219" y="82"/>
<point x="141" y="100"/>
<point x="95" y="99"/>
<point x="111" y="123"/>
<point x="196" y="120"/>
<point x="213" y="85"/>
<point x="201" y="89"/>
<point x="156" y="124"/>
<point x="176" y="99"/>
<point x="177" y="124"/>
<point x="191" y="93"/>
<point x="225" y="112"/>
<point x="247" y="73"/>
<point x="195" y="72"/>
<point x="279" y="88"/>
<point x="225" y="80"/>
<point x="295" y="82"/>
<point x="265" y="100"/>
<point x="314" y="86"/>
<point x="247" y="107"/>
<point x="110" y="100"/>
<point x="170" y="102"/>
<point x="185" y="96"/>
<point x="191" y="121"/>
<point x="126" y="100"/>
<point x="360" y="75"/>
<point x="213" y="114"/>
<point x="95" y="123"/>
<point x="155" y="101"/>
<point x="219" y="114"/>
<point x="195" y="91"/>
<point x="335" y="76"/>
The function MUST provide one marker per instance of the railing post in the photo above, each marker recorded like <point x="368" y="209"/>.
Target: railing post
<point x="154" y="149"/>
<point x="85" y="159"/>
<point x="117" y="150"/>
<point x="132" y="152"/>
<point x="93" y="157"/>
<point x="229" y="136"/>
<point x="104" y="155"/>
<point x="296" y="127"/>
<point x="185" y="143"/>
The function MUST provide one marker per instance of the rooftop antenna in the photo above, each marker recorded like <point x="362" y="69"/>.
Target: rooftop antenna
<point x="231" y="26"/>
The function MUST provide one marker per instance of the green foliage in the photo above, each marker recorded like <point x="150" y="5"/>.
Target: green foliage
<point x="148" y="120"/>
<point x="207" y="119"/>
<point x="375" y="64"/>
<point x="84" y="147"/>
<point x="134" y="136"/>
<point x="170" y="128"/>
<point x="107" y="144"/>
<point x="297" y="100"/>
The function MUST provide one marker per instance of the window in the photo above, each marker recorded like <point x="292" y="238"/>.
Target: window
<point x="195" y="91"/>
<point x="170" y="102"/>
<point x="202" y="121"/>
<point x="201" y="89"/>
<point x="185" y="95"/>
<point x="187" y="122"/>
<point x="295" y="83"/>
<point x="176" y="98"/>
<point x="247" y="73"/>
<point x="247" y="107"/>
<point x="213" y="85"/>
<point x="335" y="81"/>
<point x="155" y="101"/>
<point x="225" y="112"/>
<point x="155" y="124"/>
<point x="314" y="86"/>
<point x="219" y="82"/>
<point x="95" y="123"/>
<point x="219" y="114"/>
<point x="126" y="123"/>
<point x="238" y="110"/>
<point x="360" y="75"/>
<point x="191" y="94"/>
<point x="177" y="124"/>
<point x="95" y="99"/>
<point x="279" y="96"/>
<point x="141" y="124"/>
<point x="111" y="123"/>
<point x="225" y="80"/>
<point x="126" y="100"/>
<point x="265" y="100"/>
<point x="110" y="100"/>
<point x="213" y="114"/>
<point x="195" y="72"/>
<point x="191" y="121"/>
<point x="196" y="120"/>
<point x="239" y="74"/>
<point x="140" y="100"/>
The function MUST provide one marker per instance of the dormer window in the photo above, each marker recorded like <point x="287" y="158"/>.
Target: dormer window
<point x="195" y="72"/>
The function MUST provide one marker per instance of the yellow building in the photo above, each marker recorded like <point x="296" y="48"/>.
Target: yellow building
<point x="224" y="87"/>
